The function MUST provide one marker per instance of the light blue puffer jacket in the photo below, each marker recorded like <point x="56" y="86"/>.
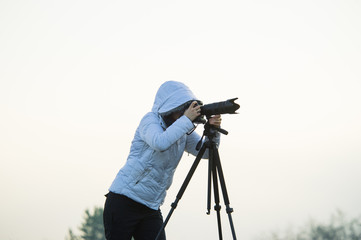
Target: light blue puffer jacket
<point x="156" y="150"/>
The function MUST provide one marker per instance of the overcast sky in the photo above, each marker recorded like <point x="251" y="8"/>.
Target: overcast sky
<point x="77" y="76"/>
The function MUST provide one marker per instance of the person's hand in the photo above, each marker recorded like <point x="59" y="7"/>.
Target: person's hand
<point x="193" y="111"/>
<point x="215" y="120"/>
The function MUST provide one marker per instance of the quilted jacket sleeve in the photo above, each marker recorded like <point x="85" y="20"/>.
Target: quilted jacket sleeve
<point x="161" y="139"/>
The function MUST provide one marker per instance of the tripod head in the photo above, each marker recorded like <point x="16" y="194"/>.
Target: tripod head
<point x="210" y="132"/>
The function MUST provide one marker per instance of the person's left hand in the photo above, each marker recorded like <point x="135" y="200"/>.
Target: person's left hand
<point x="215" y="120"/>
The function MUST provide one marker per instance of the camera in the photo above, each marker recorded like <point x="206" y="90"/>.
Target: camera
<point x="225" y="107"/>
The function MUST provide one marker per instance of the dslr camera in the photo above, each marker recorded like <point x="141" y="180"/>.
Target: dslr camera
<point x="225" y="107"/>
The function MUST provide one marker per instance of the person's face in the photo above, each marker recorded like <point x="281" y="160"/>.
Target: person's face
<point x="176" y="115"/>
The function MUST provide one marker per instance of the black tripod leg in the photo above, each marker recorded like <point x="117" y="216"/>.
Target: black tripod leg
<point x="229" y="210"/>
<point x="209" y="188"/>
<point x="183" y="188"/>
<point x="217" y="207"/>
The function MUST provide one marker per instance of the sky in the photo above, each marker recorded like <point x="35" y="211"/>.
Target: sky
<point x="77" y="76"/>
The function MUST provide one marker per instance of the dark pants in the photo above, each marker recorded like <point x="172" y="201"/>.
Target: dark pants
<point x="125" y="218"/>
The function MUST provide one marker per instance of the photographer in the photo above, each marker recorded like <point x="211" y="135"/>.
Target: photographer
<point x="132" y="205"/>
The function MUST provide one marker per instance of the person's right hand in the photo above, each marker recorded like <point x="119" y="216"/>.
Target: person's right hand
<point x="193" y="111"/>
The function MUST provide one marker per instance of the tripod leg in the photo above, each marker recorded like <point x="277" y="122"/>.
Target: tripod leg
<point x="229" y="210"/>
<point x="217" y="207"/>
<point x="209" y="188"/>
<point x="183" y="188"/>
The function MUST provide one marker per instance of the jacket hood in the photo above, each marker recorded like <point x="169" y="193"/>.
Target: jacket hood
<point x="172" y="96"/>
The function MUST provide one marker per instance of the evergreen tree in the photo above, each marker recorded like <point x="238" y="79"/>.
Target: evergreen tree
<point x="91" y="228"/>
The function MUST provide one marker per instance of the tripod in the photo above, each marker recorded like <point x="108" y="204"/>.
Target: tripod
<point x="214" y="172"/>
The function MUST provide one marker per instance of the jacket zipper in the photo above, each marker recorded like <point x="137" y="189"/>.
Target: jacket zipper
<point x="142" y="176"/>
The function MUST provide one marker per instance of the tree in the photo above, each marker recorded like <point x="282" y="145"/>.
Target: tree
<point x="339" y="228"/>
<point x="91" y="228"/>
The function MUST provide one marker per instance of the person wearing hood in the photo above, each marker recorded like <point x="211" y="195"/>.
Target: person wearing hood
<point x="132" y="205"/>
